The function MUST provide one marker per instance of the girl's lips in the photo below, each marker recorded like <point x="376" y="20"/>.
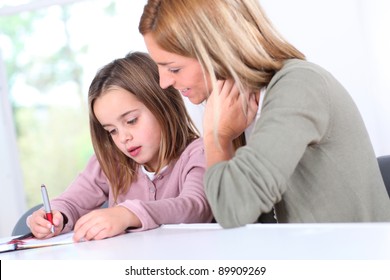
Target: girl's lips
<point x="134" y="151"/>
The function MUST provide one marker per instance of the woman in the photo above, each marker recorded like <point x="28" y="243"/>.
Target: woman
<point x="308" y="155"/>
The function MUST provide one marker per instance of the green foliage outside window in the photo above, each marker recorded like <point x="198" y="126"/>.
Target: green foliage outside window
<point x="48" y="90"/>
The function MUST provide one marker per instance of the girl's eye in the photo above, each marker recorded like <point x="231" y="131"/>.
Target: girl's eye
<point x="112" y="132"/>
<point x="132" y="121"/>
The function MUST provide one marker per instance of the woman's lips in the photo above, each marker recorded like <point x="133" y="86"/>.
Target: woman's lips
<point x="185" y="92"/>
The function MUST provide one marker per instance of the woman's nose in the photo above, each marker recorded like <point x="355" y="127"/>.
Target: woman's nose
<point x="166" y="80"/>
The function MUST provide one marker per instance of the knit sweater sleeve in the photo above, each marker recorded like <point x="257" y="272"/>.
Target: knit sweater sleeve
<point x="295" y="115"/>
<point x="87" y="192"/>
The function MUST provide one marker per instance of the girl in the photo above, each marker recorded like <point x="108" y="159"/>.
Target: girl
<point x="149" y="159"/>
<point x="304" y="150"/>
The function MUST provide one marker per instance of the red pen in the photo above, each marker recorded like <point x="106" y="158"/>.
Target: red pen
<point x="46" y="205"/>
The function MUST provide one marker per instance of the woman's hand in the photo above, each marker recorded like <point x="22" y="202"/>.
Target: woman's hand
<point x="41" y="228"/>
<point x="103" y="223"/>
<point x="227" y="112"/>
<point x="226" y="116"/>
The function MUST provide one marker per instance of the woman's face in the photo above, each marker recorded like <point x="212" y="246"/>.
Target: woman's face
<point x="183" y="73"/>
<point x="131" y="125"/>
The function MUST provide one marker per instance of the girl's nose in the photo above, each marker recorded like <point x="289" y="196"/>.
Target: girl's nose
<point x="125" y="136"/>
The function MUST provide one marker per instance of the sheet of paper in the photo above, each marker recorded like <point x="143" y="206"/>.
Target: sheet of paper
<point x="7" y="247"/>
<point x="61" y="239"/>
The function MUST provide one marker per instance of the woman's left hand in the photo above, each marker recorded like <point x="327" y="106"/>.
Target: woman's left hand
<point x="226" y="107"/>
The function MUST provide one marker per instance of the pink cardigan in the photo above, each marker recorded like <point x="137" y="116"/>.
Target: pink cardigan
<point x="176" y="195"/>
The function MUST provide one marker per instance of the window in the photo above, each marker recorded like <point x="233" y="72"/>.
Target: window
<point x="51" y="51"/>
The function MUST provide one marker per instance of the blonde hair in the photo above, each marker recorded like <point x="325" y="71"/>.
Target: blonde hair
<point x="230" y="38"/>
<point x="138" y="74"/>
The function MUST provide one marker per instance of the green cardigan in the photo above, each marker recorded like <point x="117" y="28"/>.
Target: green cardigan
<point x="309" y="157"/>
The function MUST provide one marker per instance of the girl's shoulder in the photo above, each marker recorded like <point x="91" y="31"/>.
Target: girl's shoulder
<point x="194" y="152"/>
<point x="192" y="156"/>
<point x="195" y="147"/>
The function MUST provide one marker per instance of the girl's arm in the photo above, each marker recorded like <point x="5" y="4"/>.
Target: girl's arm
<point x="175" y="197"/>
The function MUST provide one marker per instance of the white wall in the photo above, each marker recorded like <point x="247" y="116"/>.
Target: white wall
<point x="350" y="38"/>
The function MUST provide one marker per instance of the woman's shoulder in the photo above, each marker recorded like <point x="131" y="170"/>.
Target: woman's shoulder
<point x="295" y="63"/>
<point x="294" y="71"/>
<point x="302" y="67"/>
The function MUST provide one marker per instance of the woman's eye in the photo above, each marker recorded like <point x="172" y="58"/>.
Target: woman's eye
<point x="174" y="70"/>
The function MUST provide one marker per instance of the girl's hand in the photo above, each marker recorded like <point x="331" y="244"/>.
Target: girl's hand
<point x="103" y="223"/>
<point x="41" y="228"/>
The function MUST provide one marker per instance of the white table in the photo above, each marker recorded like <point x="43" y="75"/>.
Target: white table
<point x="355" y="241"/>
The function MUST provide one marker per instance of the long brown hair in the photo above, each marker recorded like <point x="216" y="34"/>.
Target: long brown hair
<point x="138" y="74"/>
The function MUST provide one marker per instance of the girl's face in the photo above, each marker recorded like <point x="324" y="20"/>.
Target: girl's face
<point x="183" y="73"/>
<point x="133" y="128"/>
